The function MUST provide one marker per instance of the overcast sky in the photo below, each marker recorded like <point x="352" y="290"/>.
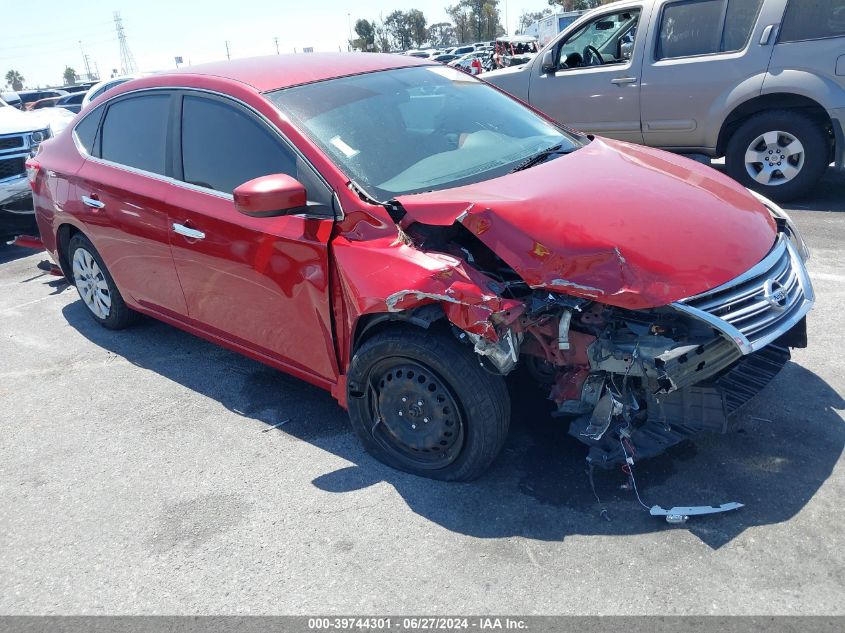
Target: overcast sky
<point x="40" y="37"/>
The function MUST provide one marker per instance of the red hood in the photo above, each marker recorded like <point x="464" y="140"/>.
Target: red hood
<point x="629" y="225"/>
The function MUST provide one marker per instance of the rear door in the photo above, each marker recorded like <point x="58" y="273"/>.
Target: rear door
<point x="596" y="85"/>
<point x="702" y="58"/>
<point x="120" y="192"/>
<point x="259" y="283"/>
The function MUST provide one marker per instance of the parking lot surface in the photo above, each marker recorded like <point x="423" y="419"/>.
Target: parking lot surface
<point x="142" y="472"/>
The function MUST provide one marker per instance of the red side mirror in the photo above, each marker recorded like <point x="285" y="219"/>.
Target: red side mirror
<point x="276" y="194"/>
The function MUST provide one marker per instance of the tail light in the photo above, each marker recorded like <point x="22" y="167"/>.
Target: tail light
<point x="32" y="169"/>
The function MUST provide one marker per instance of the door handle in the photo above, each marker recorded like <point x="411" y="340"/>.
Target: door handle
<point x="621" y="81"/>
<point x="92" y="202"/>
<point x="767" y="34"/>
<point x="187" y="231"/>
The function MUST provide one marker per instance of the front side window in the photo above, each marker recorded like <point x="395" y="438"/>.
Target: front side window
<point x="134" y="132"/>
<point x="608" y="39"/>
<point x="418" y="129"/>
<point x="705" y="27"/>
<point x="813" y="20"/>
<point x="223" y="147"/>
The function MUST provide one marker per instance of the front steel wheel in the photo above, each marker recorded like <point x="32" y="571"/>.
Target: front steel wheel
<point x="421" y="402"/>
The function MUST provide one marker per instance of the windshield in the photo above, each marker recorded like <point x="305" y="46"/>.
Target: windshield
<point x="418" y="129"/>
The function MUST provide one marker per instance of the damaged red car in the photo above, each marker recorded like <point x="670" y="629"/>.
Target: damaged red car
<point x="405" y="236"/>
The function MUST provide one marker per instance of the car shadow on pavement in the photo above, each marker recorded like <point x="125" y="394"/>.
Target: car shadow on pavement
<point x="9" y="253"/>
<point x="781" y="451"/>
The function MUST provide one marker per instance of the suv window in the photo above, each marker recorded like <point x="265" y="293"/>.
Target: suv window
<point x="135" y="132"/>
<point x="612" y="35"/>
<point x="704" y="27"/>
<point x="813" y="20"/>
<point x="223" y="147"/>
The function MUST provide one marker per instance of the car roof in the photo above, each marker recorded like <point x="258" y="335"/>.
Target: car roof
<point x="283" y="71"/>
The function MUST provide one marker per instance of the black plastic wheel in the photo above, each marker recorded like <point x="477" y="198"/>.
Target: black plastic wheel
<point x="421" y="402"/>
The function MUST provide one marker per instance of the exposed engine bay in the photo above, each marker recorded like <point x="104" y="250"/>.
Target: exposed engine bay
<point x="632" y="383"/>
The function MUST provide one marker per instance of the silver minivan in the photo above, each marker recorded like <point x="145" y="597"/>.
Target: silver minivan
<point x="760" y="82"/>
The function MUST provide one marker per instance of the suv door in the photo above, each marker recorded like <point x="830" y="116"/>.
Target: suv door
<point x="259" y="284"/>
<point x="119" y="194"/>
<point x="594" y="84"/>
<point x="703" y="57"/>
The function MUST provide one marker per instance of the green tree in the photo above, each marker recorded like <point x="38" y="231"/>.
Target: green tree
<point x="528" y="18"/>
<point x="417" y="23"/>
<point x="460" y="15"/>
<point x="476" y="20"/>
<point x="69" y="76"/>
<point x="441" y="34"/>
<point x="366" y="35"/>
<point x="15" y="80"/>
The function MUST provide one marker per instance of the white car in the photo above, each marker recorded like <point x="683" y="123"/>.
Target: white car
<point x="104" y="86"/>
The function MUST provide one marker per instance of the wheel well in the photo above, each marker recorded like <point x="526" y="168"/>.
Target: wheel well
<point x="63" y="235"/>
<point x="778" y="101"/>
<point x="371" y="324"/>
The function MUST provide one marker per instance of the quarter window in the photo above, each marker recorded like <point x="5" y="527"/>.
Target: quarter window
<point x="135" y="132"/>
<point x="223" y="147"/>
<point x="813" y="20"/>
<point x="705" y="27"/>
<point x="86" y="131"/>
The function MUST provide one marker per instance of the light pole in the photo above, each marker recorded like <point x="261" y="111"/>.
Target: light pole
<point x="349" y="41"/>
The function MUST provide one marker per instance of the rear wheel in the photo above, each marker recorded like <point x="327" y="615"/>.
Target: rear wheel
<point x="421" y="402"/>
<point x="782" y="154"/>
<point x="95" y="285"/>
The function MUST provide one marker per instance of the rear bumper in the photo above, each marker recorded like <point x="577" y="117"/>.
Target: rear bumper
<point x="17" y="214"/>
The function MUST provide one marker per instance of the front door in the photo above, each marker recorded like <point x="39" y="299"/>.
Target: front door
<point x="595" y="86"/>
<point x="260" y="283"/>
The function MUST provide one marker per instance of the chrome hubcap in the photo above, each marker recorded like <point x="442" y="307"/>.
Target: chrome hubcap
<point x="774" y="158"/>
<point x="91" y="283"/>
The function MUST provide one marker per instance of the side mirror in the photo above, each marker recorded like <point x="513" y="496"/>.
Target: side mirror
<point x="548" y="64"/>
<point x="276" y="194"/>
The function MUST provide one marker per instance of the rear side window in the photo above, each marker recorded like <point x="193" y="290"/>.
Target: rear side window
<point x="86" y="130"/>
<point x="223" y="147"/>
<point x="813" y="20"/>
<point x="704" y="27"/>
<point x="135" y="132"/>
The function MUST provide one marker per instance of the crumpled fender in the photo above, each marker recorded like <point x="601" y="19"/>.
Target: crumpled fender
<point x="388" y="275"/>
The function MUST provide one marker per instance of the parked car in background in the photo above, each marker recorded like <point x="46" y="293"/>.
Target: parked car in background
<point x="49" y="102"/>
<point x="104" y="86"/>
<point x="408" y="261"/>
<point x="471" y="63"/>
<point x="445" y="58"/>
<point x="28" y="97"/>
<point x="71" y="102"/>
<point x="21" y="133"/>
<point x="759" y="82"/>
<point x="11" y="98"/>
<point x="514" y="50"/>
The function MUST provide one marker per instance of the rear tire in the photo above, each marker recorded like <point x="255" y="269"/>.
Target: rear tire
<point x="420" y="402"/>
<point x="782" y="154"/>
<point x="96" y="287"/>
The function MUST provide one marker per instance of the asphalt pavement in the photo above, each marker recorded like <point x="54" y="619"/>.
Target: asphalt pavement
<point x="143" y="472"/>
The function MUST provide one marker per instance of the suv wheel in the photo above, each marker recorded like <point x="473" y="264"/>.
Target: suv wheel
<point x="781" y="154"/>
<point x="421" y="402"/>
<point x="95" y="285"/>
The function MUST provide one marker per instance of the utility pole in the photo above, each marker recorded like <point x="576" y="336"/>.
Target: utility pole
<point x="349" y="42"/>
<point x="127" y="61"/>
<point x="85" y="61"/>
<point x="227" y="50"/>
<point x="276" y="39"/>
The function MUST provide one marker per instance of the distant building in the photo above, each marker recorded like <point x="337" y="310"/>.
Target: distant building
<point x="548" y="26"/>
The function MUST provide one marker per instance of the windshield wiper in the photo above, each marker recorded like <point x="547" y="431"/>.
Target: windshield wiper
<point x="541" y="156"/>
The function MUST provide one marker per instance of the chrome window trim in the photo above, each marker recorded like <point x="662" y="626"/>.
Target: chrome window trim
<point x="270" y="125"/>
<point x="743" y="343"/>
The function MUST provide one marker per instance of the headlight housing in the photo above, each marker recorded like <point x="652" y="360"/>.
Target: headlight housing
<point x="39" y="136"/>
<point x="785" y="225"/>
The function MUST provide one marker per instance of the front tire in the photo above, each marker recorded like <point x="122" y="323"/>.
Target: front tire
<point x="782" y="154"/>
<point x="420" y="402"/>
<point x="95" y="285"/>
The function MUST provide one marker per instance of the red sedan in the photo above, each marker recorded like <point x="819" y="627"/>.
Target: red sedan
<point x="405" y="235"/>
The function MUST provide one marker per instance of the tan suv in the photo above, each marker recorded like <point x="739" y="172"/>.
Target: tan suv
<point x="760" y="82"/>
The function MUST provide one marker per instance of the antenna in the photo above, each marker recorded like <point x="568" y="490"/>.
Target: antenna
<point x="276" y="39"/>
<point x="227" y="50"/>
<point x="127" y="62"/>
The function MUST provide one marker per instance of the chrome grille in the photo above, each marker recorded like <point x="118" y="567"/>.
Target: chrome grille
<point x="759" y="306"/>
<point x="10" y="167"/>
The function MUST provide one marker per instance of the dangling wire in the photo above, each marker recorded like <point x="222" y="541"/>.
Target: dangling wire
<point x="630" y="472"/>
<point x="602" y="509"/>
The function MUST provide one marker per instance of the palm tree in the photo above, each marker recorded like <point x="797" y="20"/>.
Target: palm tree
<point x="15" y="80"/>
